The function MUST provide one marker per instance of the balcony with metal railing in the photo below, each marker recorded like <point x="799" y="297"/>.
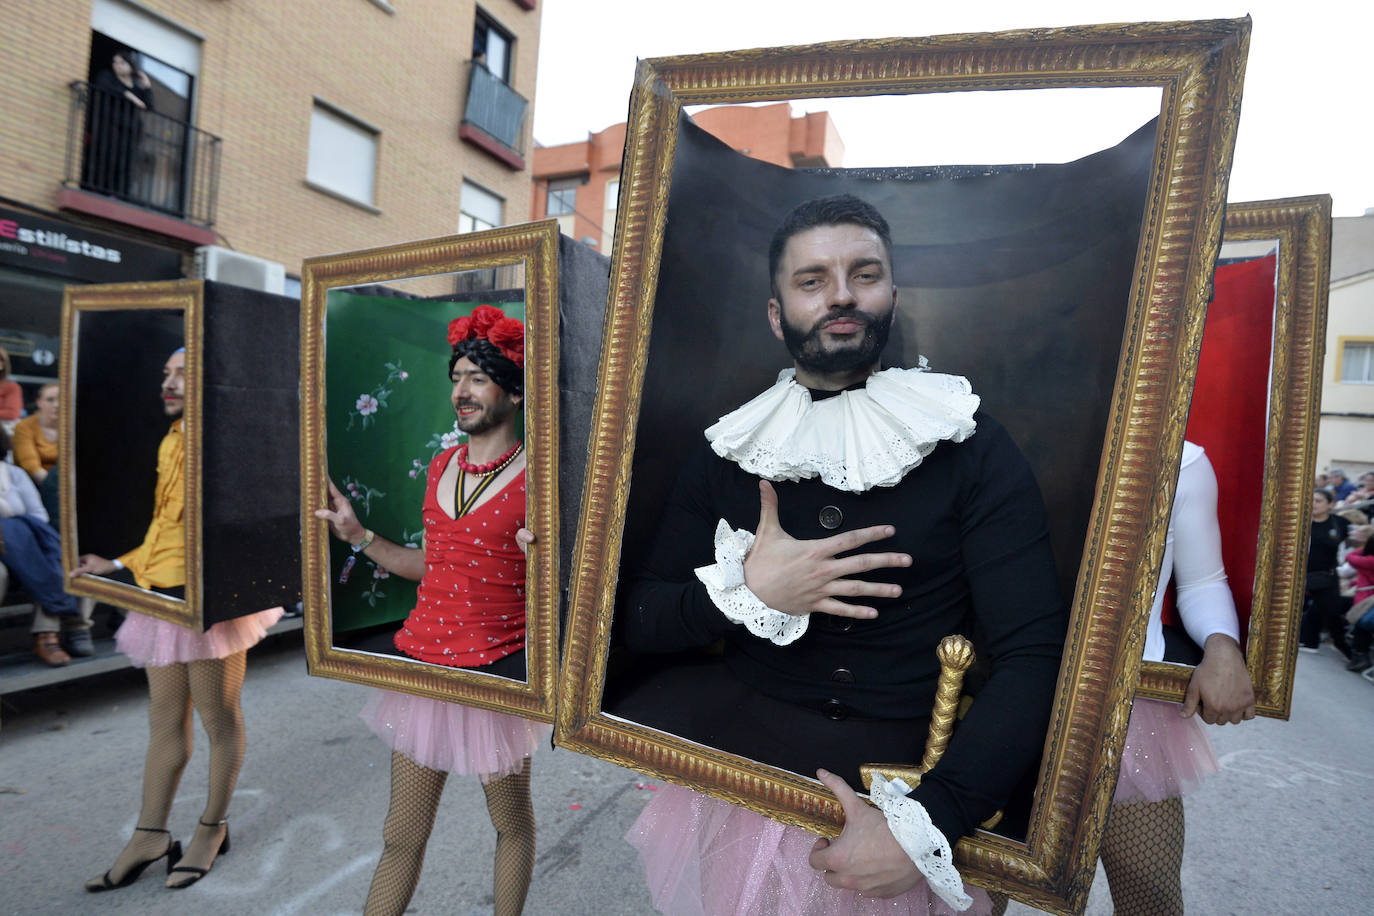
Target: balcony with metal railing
<point x="120" y="154"/>
<point x="494" y="117"/>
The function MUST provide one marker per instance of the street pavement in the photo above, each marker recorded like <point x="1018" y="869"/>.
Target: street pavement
<point x="1284" y="828"/>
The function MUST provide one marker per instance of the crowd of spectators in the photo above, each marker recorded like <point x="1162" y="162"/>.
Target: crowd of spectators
<point x="31" y="568"/>
<point x="1350" y="616"/>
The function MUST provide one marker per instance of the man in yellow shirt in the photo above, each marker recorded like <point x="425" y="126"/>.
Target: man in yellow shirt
<point x="185" y="668"/>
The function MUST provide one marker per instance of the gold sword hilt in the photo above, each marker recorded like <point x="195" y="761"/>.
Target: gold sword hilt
<point x="956" y="657"/>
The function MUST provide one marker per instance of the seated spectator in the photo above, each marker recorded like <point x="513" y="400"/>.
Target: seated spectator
<point x="33" y="557"/>
<point x="1339" y="485"/>
<point x="35" y="436"/>
<point x="1361" y="615"/>
<point x="11" y="395"/>
<point x="1365" y="491"/>
<point x="1323" y="481"/>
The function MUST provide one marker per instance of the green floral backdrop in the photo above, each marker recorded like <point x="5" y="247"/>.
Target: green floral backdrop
<point x="388" y="415"/>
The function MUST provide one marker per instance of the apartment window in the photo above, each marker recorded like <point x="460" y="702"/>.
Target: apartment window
<point x="478" y="209"/>
<point x="1357" y="362"/>
<point x="491" y="45"/>
<point x="608" y="215"/>
<point x="343" y="155"/>
<point x="562" y="197"/>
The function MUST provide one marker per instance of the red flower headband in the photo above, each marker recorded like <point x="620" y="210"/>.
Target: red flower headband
<point x="491" y="324"/>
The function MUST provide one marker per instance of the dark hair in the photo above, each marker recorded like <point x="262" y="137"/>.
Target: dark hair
<point x="5" y="442"/>
<point x="490" y="360"/>
<point x="838" y="210"/>
<point x="1325" y="494"/>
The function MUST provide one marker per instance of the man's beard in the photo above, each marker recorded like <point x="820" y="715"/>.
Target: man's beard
<point x="810" y="353"/>
<point x="486" y="419"/>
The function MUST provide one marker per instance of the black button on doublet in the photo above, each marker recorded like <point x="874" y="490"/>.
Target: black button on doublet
<point x="831" y="518"/>
<point x="834" y="709"/>
<point x="842" y="676"/>
<point x="843" y="624"/>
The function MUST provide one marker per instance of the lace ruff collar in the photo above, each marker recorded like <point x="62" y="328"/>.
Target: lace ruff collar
<point x="860" y="439"/>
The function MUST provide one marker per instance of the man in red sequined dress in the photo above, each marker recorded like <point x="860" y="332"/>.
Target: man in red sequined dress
<point x="470" y="613"/>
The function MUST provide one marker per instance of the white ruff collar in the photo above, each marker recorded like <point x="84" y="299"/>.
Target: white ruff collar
<point x="860" y="439"/>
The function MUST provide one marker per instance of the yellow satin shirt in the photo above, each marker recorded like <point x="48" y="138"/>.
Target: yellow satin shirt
<point x="161" y="559"/>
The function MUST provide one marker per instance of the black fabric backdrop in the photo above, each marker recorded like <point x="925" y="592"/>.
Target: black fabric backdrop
<point x="1017" y="277"/>
<point x="250" y="459"/>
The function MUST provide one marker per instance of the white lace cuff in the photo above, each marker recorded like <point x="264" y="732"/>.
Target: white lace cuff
<point x="919" y="838"/>
<point x="724" y="581"/>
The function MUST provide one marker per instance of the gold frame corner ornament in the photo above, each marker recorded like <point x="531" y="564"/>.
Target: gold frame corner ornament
<point x="535" y="245"/>
<point x="1199" y="66"/>
<point x="1302" y="228"/>
<point x="186" y="296"/>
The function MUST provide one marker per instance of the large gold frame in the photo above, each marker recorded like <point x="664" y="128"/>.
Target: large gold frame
<point x="1302" y="228"/>
<point x="1199" y="67"/>
<point x="536" y="246"/>
<point x="188" y="297"/>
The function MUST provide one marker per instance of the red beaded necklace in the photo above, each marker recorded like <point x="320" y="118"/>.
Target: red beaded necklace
<point x="491" y="467"/>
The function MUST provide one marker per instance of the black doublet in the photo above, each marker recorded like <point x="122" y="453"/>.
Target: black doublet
<point x="973" y="521"/>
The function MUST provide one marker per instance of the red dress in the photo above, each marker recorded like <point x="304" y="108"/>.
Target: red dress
<point x="470" y="608"/>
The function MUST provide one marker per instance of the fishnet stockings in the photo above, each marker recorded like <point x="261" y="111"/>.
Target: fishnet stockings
<point x="213" y="687"/>
<point x="216" y="685"/>
<point x="1142" y="853"/>
<point x="415" y="792"/>
<point x="999" y="903"/>
<point x="512" y="814"/>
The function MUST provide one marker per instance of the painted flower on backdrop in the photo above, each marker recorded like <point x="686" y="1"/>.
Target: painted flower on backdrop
<point x="360" y="492"/>
<point x="364" y="412"/>
<point x="439" y="442"/>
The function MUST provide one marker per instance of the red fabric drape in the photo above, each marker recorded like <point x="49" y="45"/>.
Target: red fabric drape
<point x="1230" y="415"/>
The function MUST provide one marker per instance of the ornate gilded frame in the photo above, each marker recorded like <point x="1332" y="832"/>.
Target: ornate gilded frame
<point x="1302" y="228"/>
<point x="536" y="246"/>
<point x="1199" y="67"/>
<point x="186" y="296"/>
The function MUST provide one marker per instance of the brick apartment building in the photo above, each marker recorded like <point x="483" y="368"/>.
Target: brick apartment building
<point x="276" y="130"/>
<point x="578" y="183"/>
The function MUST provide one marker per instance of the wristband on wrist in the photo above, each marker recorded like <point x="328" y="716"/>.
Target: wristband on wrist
<point x="368" y="536"/>
<point x="117" y="565"/>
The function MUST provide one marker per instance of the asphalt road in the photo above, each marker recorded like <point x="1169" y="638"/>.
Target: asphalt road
<point x="1285" y="828"/>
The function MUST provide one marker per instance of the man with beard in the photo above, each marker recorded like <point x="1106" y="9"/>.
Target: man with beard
<point x="469" y="613"/>
<point x="887" y="512"/>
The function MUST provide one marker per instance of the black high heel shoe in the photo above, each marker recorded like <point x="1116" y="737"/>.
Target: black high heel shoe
<point x="103" y="883"/>
<point x="195" y="870"/>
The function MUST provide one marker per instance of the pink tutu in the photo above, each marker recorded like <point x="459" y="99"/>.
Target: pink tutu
<point x="1166" y="755"/>
<point x="452" y="737"/>
<point x="706" y="857"/>
<point x="151" y="642"/>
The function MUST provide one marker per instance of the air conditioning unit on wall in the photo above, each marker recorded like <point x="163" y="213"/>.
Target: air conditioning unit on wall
<point x="223" y="265"/>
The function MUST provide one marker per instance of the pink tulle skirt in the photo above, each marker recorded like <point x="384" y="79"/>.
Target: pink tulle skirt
<point x="151" y="642"/>
<point x="706" y="857"/>
<point x="1166" y="755"/>
<point x="452" y="737"/>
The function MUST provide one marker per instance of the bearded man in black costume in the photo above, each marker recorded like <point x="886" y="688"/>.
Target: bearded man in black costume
<point x="831" y="532"/>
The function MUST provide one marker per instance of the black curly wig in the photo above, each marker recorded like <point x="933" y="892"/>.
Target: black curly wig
<point x="492" y="361"/>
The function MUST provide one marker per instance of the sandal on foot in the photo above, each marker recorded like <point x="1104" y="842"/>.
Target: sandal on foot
<point x="103" y="883"/>
<point x="194" y="870"/>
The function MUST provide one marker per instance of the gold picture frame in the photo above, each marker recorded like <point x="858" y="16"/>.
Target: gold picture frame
<point x="1199" y="68"/>
<point x="535" y="246"/>
<point x="1301" y="227"/>
<point x="186" y="296"/>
